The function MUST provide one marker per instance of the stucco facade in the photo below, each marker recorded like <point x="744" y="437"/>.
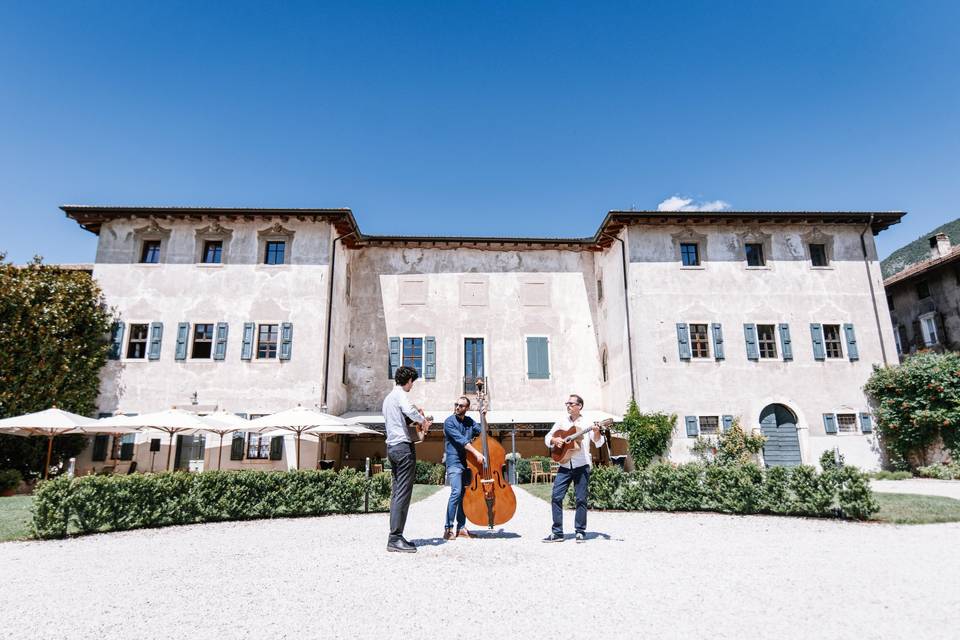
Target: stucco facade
<point x="563" y="303"/>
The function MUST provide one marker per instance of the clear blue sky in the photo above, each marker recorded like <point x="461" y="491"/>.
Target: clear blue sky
<point x="510" y="118"/>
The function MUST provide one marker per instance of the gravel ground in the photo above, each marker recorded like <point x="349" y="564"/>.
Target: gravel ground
<point x="640" y="574"/>
<point x="922" y="486"/>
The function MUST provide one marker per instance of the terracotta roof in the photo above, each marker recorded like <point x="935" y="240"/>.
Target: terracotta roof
<point x="921" y="268"/>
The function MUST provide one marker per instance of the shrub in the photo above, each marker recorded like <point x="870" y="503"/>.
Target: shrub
<point x="428" y="473"/>
<point x="648" y="434"/>
<point x="890" y="475"/>
<point x="733" y="488"/>
<point x="940" y="471"/>
<point x="813" y="493"/>
<point x="115" y="503"/>
<point x="9" y="479"/>
<point x="675" y="488"/>
<point x="854" y="496"/>
<point x="523" y="467"/>
<point x="732" y="446"/>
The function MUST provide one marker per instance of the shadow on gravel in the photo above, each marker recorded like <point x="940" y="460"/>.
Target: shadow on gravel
<point x="486" y="534"/>
<point x="429" y="542"/>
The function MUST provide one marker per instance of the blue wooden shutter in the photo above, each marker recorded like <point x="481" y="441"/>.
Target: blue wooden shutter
<point x="394" y="361"/>
<point x="276" y="448"/>
<point x="750" y="335"/>
<point x="538" y="359"/>
<point x="785" y="344"/>
<point x="220" y="351"/>
<point x="237" y="446"/>
<point x="693" y="429"/>
<point x="717" y="341"/>
<point x="852" y="352"/>
<point x="183" y="330"/>
<point x="116" y="341"/>
<point x="816" y="335"/>
<point x="100" y="447"/>
<point x="866" y="425"/>
<point x="156" y="338"/>
<point x="430" y="358"/>
<point x="286" y="340"/>
<point x="727" y="423"/>
<point x="246" y="350"/>
<point x="683" y="340"/>
<point x="829" y="423"/>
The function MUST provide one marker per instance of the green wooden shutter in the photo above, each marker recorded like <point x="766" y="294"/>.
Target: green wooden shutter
<point x="126" y="446"/>
<point x="750" y="336"/>
<point x="183" y="330"/>
<point x="100" y="442"/>
<point x="116" y="341"/>
<point x="394" y="362"/>
<point x="852" y="351"/>
<point x="538" y="359"/>
<point x="276" y="448"/>
<point x="156" y="338"/>
<point x="220" y="350"/>
<point x="866" y="426"/>
<point x="237" y="446"/>
<point x="246" y="350"/>
<point x="286" y="340"/>
<point x="829" y="423"/>
<point x="430" y="358"/>
<point x="683" y="340"/>
<point x="816" y="335"/>
<point x="693" y="428"/>
<point x="727" y="423"/>
<point x="717" y="340"/>
<point x="785" y="343"/>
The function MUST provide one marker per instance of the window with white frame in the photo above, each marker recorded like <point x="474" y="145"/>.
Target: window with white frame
<point x="267" y="341"/>
<point x="137" y="344"/>
<point x="699" y="341"/>
<point x="202" y="342"/>
<point x="258" y="447"/>
<point x="831" y="341"/>
<point x="928" y="327"/>
<point x="767" y="340"/>
<point x="709" y="425"/>
<point x="412" y="354"/>
<point x="847" y="422"/>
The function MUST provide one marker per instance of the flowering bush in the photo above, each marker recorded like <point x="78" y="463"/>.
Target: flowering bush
<point x="648" y="434"/>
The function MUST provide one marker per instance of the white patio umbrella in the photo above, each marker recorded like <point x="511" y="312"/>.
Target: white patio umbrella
<point x="49" y="423"/>
<point x="322" y="433"/>
<point x="169" y="421"/>
<point x="299" y="420"/>
<point x="222" y="423"/>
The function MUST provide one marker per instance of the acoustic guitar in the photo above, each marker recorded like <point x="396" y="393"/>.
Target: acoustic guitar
<point x="416" y="431"/>
<point x="571" y="440"/>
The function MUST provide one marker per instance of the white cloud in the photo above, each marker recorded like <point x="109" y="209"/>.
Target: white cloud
<point x="676" y="203"/>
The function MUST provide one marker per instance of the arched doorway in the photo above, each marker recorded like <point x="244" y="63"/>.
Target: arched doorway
<point x="779" y="425"/>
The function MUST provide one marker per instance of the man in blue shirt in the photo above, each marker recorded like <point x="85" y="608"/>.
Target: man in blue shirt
<point x="459" y="430"/>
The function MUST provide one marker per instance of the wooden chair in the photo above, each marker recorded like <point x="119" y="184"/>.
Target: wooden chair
<point x="376" y="468"/>
<point x="536" y="471"/>
<point x="554" y="468"/>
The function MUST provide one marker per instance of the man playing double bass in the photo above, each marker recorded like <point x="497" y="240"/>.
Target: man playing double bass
<point x="459" y="430"/>
<point x="576" y="471"/>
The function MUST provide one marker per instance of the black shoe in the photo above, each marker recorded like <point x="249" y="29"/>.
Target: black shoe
<point x="554" y="537"/>
<point x="400" y="545"/>
<point x="581" y="537"/>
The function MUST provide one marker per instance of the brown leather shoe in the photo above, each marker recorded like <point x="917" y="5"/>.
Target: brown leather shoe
<point x="463" y="533"/>
<point x="448" y="534"/>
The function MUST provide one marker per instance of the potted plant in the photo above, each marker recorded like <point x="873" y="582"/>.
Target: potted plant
<point x="9" y="482"/>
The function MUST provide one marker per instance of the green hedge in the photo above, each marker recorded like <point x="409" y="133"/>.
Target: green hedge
<point x="91" y="504"/>
<point x="741" y="488"/>
<point x="940" y="471"/>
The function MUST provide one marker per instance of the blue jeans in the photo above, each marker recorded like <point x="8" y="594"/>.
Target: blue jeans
<point x="581" y="480"/>
<point x="457" y="478"/>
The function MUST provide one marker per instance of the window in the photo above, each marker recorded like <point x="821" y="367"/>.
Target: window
<point x="767" y="340"/>
<point x="929" y="328"/>
<point x="267" y="341"/>
<point x="890" y="303"/>
<point x="202" y="341"/>
<point x="258" y="447"/>
<point x="690" y="254"/>
<point x="818" y="255"/>
<point x="137" y="346"/>
<point x="699" y="342"/>
<point x="604" y="374"/>
<point x="831" y="340"/>
<point x="709" y="425"/>
<point x="472" y="363"/>
<point x="903" y="344"/>
<point x="599" y="290"/>
<point x="847" y="422"/>
<point x="754" y="252"/>
<point x="213" y="252"/>
<point x="275" y="250"/>
<point x="150" y="253"/>
<point x="412" y="354"/>
<point x="923" y="290"/>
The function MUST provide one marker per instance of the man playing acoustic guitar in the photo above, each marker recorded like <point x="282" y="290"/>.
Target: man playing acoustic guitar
<point x="577" y="470"/>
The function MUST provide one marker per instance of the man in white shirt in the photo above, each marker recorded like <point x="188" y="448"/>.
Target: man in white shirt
<point x="397" y="410"/>
<point x="577" y="470"/>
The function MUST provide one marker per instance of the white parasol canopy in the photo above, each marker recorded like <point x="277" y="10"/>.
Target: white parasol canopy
<point x="169" y="421"/>
<point x="222" y="423"/>
<point x="49" y="423"/>
<point x="300" y="420"/>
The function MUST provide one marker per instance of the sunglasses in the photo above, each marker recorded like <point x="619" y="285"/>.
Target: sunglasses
<point x="460" y="404"/>
<point x="572" y="404"/>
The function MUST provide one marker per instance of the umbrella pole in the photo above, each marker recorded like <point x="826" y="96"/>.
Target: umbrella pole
<point x="46" y="469"/>
<point x="169" y="450"/>
<point x="298" y="450"/>
<point x="220" y="452"/>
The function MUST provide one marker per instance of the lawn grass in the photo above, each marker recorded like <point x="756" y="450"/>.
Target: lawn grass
<point x="421" y="491"/>
<point x="895" y="508"/>
<point x="15" y="518"/>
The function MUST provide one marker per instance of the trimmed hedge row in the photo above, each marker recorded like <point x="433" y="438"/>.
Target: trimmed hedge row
<point x="92" y="504"/>
<point x="940" y="471"/>
<point x="742" y="488"/>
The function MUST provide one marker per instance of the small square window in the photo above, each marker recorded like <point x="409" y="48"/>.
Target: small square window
<point x="275" y="250"/>
<point x="699" y="342"/>
<point x="150" y="253"/>
<point x="847" y="422"/>
<point x="137" y="346"/>
<point x="766" y="340"/>
<point x="831" y="340"/>
<point x="202" y="341"/>
<point x="818" y="255"/>
<point x="213" y="252"/>
<point x="267" y="341"/>
<point x="923" y="290"/>
<point x="709" y="425"/>
<point x="754" y="252"/>
<point x="690" y="254"/>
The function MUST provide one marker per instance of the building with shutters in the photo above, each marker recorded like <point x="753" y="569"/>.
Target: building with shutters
<point x="772" y="319"/>
<point x="924" y="300"/>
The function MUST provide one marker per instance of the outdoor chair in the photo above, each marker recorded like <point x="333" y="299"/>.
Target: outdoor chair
<point x="536" y="471"/>
<point x="106" y="471"/>
<point x="376" y="468"/>
<point x="554" y="468"/>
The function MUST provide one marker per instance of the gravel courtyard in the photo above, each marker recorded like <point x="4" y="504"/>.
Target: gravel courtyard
<point x="639" y="575"/>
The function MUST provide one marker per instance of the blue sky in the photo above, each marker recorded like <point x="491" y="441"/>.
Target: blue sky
<point x="513" y="118"/>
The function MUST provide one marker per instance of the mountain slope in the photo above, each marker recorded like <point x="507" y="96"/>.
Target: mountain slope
<point x="918" y="250"/>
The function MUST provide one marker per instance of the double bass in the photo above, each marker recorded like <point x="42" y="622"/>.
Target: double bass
<point x="489" y="499"/>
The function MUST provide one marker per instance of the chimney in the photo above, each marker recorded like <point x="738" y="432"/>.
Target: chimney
<point x="939" y="245"/>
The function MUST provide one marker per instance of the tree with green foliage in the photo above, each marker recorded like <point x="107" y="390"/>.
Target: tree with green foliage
<point x="733" y="446"/>
<point x="916" y="404"/>
<point x="648" y="434"/>
<point x="54" y="328"/>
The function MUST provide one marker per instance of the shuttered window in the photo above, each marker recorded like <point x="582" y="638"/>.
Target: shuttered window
<point x="853" y="351"/>
<point x="832" y="341"/>
<point x="413" y="354"/>
<point x="220" y="350"/>
<point x="846" y="423"/>
<point x="430" y="358"/>
<point x="236" y="447"/>
<point x="691" y="424"/>
<point x="276" y="448"/>
<point x="816" y="338"/>
<point x="766" y="341"/>
<point x="100" y="443"/>
<point x="202" y="348"/>
<point x="750" y="339"/>
<point x="394" y="358"/>
<point x="156" y="340"/>
<point x="709" y="425"/>
<point x="683" y="340"/>
<point x="137" y="346"/>
<point x="699" y="341"/>
<point x="116" y="341"/>
<point x="538" y="358"/>
<point x="718" y="350"/>
<point x="267" y="335"/>
<point x="786" y="344"/>
<point x="286" y="341"/>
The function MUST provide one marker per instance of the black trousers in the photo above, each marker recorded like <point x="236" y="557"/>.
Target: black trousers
<point x="403" y="462"/>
